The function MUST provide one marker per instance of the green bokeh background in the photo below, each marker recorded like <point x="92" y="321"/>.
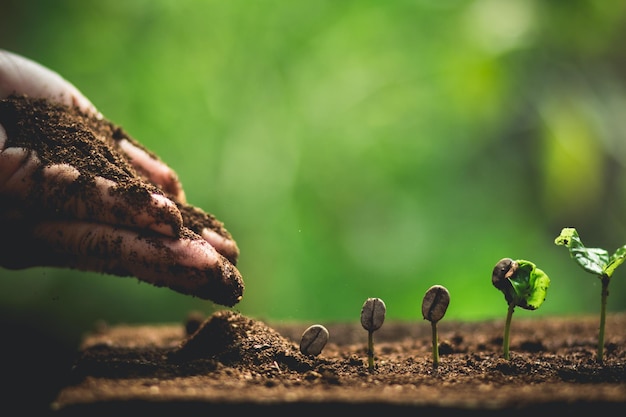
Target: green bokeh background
<point x="354" y="149"/>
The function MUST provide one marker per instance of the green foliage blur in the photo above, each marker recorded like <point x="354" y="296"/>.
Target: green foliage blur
<point x="354" y="149"/>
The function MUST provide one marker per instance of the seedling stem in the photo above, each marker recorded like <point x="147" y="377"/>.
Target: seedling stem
<point x="370" y="350"/>
<point x="605" y="293"/>
<point x="433" y="326"/>
<point x="507" y="331"/>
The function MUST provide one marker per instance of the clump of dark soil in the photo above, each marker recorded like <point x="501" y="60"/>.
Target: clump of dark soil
<point x="64" y="135"/>
<point x="230" y="362"/>
<point x="96" y="148"/>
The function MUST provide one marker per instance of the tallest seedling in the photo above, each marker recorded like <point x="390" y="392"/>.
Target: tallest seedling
<point x="595" y="261"/>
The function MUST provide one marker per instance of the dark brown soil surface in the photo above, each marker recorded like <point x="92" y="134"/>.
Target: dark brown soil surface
<point x="231" y="363"/>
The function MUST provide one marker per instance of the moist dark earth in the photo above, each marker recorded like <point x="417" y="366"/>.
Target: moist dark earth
<point x="230" y="363"/>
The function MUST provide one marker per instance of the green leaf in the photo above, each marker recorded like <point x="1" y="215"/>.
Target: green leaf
<point x="616" y="260"/>
<point x="530" y="285"/>
<point x="592" y="260"/>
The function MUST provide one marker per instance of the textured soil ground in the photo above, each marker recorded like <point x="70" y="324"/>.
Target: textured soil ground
<point x="231" y="363"/>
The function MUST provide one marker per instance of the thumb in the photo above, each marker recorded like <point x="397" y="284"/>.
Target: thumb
<point x="22" y="76"/>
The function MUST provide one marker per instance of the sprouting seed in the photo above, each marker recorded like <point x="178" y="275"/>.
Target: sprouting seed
<point x="435" y="303"/>
<point x="373" y="314"/>
<point x="523" y="285"/>
<point x="434" y="306"/>
<point x="372" y="318"/>
<point x="313" y="340"/>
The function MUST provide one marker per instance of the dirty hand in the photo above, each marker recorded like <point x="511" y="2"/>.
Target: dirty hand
<point x="76" y="191"/>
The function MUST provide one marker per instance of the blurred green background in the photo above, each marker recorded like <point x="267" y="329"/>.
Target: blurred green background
<point x="354" y="149"/>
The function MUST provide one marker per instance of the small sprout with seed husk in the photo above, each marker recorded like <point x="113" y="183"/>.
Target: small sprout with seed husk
<point x="595" y="261"/>
<point x="434" y="306"/>
<point x="313" y="340"/>
<point x="523" y="285"/>
<point x="372" y="318"/>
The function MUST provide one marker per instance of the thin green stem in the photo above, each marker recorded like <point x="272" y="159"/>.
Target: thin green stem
<point x="433" y="325"/>
<point x="605" y="293"/>
<point x="507" y="330"/>
<point x="370" y="350"/>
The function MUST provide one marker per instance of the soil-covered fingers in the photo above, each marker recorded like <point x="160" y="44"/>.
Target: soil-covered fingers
<point x="60" y="191"/>
<point x="199" y="221"/>
<point x="79" y="158"/>
<point x="151" y="167"/>
<point x="73" y="165"/>
<point x="188" y="265"/>
<point x="211" y="229"/>
<point x="52" y="166"/>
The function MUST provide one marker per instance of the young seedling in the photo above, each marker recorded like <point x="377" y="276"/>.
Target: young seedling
<point x="598" y="262"/>
<point x="372" y="318"/>
<point x="434" y="306"/>
<point x="313" y="340"/>
<point x="523" y="285"/>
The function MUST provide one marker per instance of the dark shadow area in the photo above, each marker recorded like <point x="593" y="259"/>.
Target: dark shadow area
<point x="35" y="366"/>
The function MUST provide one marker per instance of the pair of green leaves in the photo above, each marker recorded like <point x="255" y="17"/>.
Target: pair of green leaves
<point x="598" y="262"/>
<point x="521" y="282"/>
<point x="593" y="260"/>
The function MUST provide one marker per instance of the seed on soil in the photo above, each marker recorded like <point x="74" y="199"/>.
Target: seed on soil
<point x="313" y="340"/>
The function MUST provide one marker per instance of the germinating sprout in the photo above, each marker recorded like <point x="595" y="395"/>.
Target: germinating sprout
<point x="372" y="318"/>
<point x="434" y="306"/>
<point x="523" y="284"/>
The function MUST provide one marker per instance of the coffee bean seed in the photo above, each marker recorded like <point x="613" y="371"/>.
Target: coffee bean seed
<point x="313" y="340"/>
<point x="435" y="303"/>
<point x="373" y="314"/>
<point x="502" y="272"/>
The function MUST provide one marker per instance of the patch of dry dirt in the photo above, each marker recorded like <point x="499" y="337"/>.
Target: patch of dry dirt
<point x="232" y="363"/>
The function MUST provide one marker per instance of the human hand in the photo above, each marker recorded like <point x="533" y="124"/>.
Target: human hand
<point x="77" y="191"/>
